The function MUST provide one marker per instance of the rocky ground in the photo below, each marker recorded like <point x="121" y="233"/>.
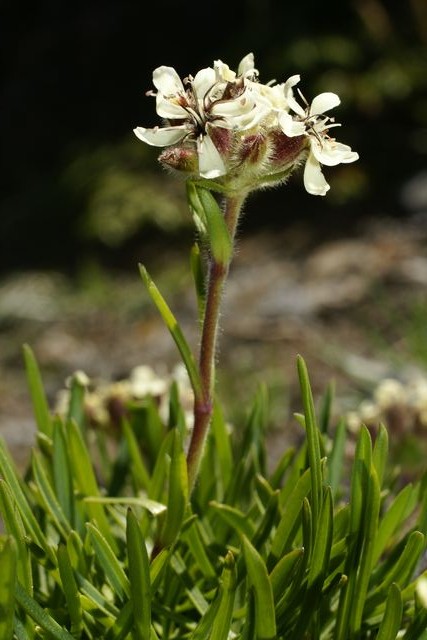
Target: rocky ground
<point x="355" y="307"/>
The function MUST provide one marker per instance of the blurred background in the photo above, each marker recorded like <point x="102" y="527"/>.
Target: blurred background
<point x="82" y="201"/>
<point x="76" y="184"/>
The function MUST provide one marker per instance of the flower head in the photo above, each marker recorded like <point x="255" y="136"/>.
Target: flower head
<point x="229" y="127"/>
<point x="198" y="110"/>
<point x="311" y="122"/>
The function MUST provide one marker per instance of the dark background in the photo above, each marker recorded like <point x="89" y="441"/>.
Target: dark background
<point x="77" y="185"/>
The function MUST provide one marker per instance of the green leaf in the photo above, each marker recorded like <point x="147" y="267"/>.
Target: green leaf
<point x="360" y="482"/>
<point x="76" y="408"/>
<point x="153" y="507"/>
<point x="282" y="467"/>
<point x="283" y="572"/>
<point x="402" y="571"/>
<point x="390" y="625"/>
<point x="14" y="526"/>
<point x="138" y="468"/>
<point x="175" y="331"/>
<point x="47" y="494"/>
<point x="157" y="568"/>
<point x="222" y="622"/>
<point x="139" y="577"/>
<point x="71" y="592"/>
<point x="289" y="519"/>
<point x="236" y="519"/>
<point x="8" y="571"/>
<point x="336" y="459"/>
<point x="322" y="543"/>
<point x="391" y="520"/>
<point x="380" y="453"/>
<point x="38" y="397"/>
<point x="265" y="617"/>
<point x="85" y="479"/>
<point x="223" y="448"/>
<point x="197" y="270"/>
<point x="313" y="443"/>
<point x="177" y="493"/>
<point x="122" y="626"/>
<point x="326" y="408"/>
<point x="216" y="622"/>
<point x="195" y="544"/>
<point x="7" y="469"/>
<point x="217" y="233"/>
<point x="371" y="509"/>
<point x="40" y="616"/>
<point x="107" y="559"/>
<point x="62" y="471"/>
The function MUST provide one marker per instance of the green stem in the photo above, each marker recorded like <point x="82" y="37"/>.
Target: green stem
<point x="203" y="406"/>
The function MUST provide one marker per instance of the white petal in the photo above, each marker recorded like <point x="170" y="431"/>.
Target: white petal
<point x="204" y="81"/>
<point x="291" y="82"/>
<point x="166" y="80"/>
<point x="247" y="65"/>
<point x="314" y="180"/>
<point x="161" y="137"/>
<point x="168" y="108"/>
<point x="323" y="102"/>
<point x="290" y="126"/>
<point x="331" y="153"/>
<point x="289" y="95"/>
<point x="211" y="165"/>
<point x="223" y="72"/>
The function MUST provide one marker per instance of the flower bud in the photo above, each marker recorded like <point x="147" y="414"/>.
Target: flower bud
<point x="252" y="149"/>
<point x="286" y="151"/>
<point x="180" y="158"/>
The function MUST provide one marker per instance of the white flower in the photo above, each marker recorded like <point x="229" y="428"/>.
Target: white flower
<point x="310" y="121"/>
<point x="215" y="97"/>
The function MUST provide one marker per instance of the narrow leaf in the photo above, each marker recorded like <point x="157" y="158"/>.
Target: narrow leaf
<point x="390" y="625"/>
<point x="198" y="277"/>
<point x="218" y="235"/>
<point x="38" y="397"/>
<point x="336" y="459"/>
<point x="391" y="520"/>
<point x="71" y="592"/>
<point x="264" y="603"/>
<point x="175" y="331"/>
<point x="10" y="474"/>
<point x="289" y="519"/>
<point x="222" y="623"/>
<point x="283" y="572"/>
<point x="139" y="577"/>
<point x="47" y="494"/>
<point x="313" y="443"/>
<point x="109" y="562"/>
<point x="8" y="570"/>
<point x="62" y="471"/>
<point x="40" y="616"/>
<point x="14" y="526"/>
<point x="85" y="479"/>
<point x="380" y="453"/>
<point x="177" y="493"/>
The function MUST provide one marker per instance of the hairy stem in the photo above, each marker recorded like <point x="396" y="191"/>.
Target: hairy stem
<point x="203" y="406"/>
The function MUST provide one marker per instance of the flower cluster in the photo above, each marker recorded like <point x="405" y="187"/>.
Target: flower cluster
<point x="229" y="127"/>
<point x="107" y="402"/>
<point x="400" y="405"/>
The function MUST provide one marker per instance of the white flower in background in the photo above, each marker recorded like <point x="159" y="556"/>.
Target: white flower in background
<point x="215" y="99"/>
<point x="310" y="121"/>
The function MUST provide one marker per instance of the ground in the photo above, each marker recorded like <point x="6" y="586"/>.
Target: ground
<point x="353" y="306"/>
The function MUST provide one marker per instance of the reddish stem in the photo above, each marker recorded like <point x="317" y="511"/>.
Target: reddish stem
<point x="203" y="406"/>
